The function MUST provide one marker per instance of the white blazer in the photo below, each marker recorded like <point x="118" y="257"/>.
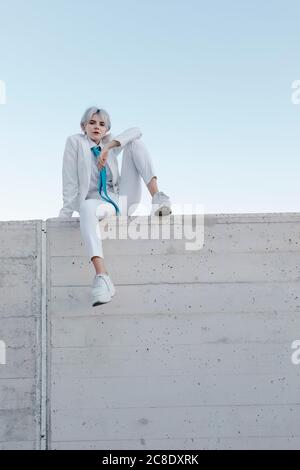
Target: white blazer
<point x="76" y="171"/>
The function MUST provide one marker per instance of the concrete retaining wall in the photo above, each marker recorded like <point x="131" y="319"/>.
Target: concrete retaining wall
<point x="193" y="352"/>
<point x="20" y="315"/>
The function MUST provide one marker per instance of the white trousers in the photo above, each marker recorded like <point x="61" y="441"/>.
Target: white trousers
<point x="136" y="165"/>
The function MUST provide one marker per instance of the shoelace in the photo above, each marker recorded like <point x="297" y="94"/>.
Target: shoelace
<point x="98" y="281"/>
<point x="159" y="194"/>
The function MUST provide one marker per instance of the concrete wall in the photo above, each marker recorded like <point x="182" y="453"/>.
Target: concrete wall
<point x="20" y="309"/>
<point x="193" y="352"/>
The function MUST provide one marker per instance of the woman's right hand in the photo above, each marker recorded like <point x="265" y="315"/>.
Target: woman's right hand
<point x="102" y="158"/>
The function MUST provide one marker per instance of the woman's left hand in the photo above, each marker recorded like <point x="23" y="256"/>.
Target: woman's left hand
<point x="102" y="158"/>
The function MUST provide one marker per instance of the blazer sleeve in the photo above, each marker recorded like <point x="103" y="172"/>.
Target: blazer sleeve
<point x="69" y="179"/>
<point x="125" y="137"/>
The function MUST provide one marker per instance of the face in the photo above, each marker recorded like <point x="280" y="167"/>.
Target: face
<point x="95" y="128"/>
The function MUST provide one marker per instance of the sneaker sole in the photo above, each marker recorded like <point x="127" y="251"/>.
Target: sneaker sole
<point x="100" y="302"/>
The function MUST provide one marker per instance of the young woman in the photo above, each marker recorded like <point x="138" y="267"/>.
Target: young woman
<point x="93" y="187"/>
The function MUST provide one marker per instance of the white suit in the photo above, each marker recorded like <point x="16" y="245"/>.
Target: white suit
<point x="76" y="172"/>
<point x="136" y="165"/>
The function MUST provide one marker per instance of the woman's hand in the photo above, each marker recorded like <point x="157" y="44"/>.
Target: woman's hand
<point x="101" y="162"/>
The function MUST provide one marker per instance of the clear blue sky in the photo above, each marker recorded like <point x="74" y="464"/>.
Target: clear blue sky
<point x="208" y="83"/>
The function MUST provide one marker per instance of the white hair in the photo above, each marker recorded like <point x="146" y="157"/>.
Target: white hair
<point x="94" y="110"/>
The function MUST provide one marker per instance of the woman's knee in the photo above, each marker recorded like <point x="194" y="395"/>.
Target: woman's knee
<point x="135" y="146"/>
<point x="87" y="205"/>
<point x="93" y="208"/>
<point x="86" y="211"/>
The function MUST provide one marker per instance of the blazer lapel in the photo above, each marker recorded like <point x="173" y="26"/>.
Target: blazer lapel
<point x="86" y="155"/>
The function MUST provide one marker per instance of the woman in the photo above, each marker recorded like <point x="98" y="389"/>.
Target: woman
<point x="93" y="187"/>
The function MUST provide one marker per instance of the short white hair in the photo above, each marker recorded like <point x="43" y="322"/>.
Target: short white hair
<point x="87" y="115"/>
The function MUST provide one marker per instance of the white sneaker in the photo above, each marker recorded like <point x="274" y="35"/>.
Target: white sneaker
<point x="100" y="290"/>
<point x="111" y="286"/>
<point x="161" y="204"/>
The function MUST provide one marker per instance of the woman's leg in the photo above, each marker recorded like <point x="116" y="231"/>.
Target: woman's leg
<point x="136" y="165"/>
<point x="91" y="211"/>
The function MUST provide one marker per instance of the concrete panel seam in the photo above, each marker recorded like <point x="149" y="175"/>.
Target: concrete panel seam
<point x="43" y="432"/>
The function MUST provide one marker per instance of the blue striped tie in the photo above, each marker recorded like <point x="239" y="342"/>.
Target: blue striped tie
<point x="102" y="181"/>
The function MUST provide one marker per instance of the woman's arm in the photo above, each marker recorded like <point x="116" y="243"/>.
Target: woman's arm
<point x="101" y="162"/>
<point x="69" y="179"/>
<point x="125" y="137"/>
<point x="117" y="144"/>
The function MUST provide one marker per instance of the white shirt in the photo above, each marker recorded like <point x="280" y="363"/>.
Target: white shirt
<point x="93" y="192"/>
